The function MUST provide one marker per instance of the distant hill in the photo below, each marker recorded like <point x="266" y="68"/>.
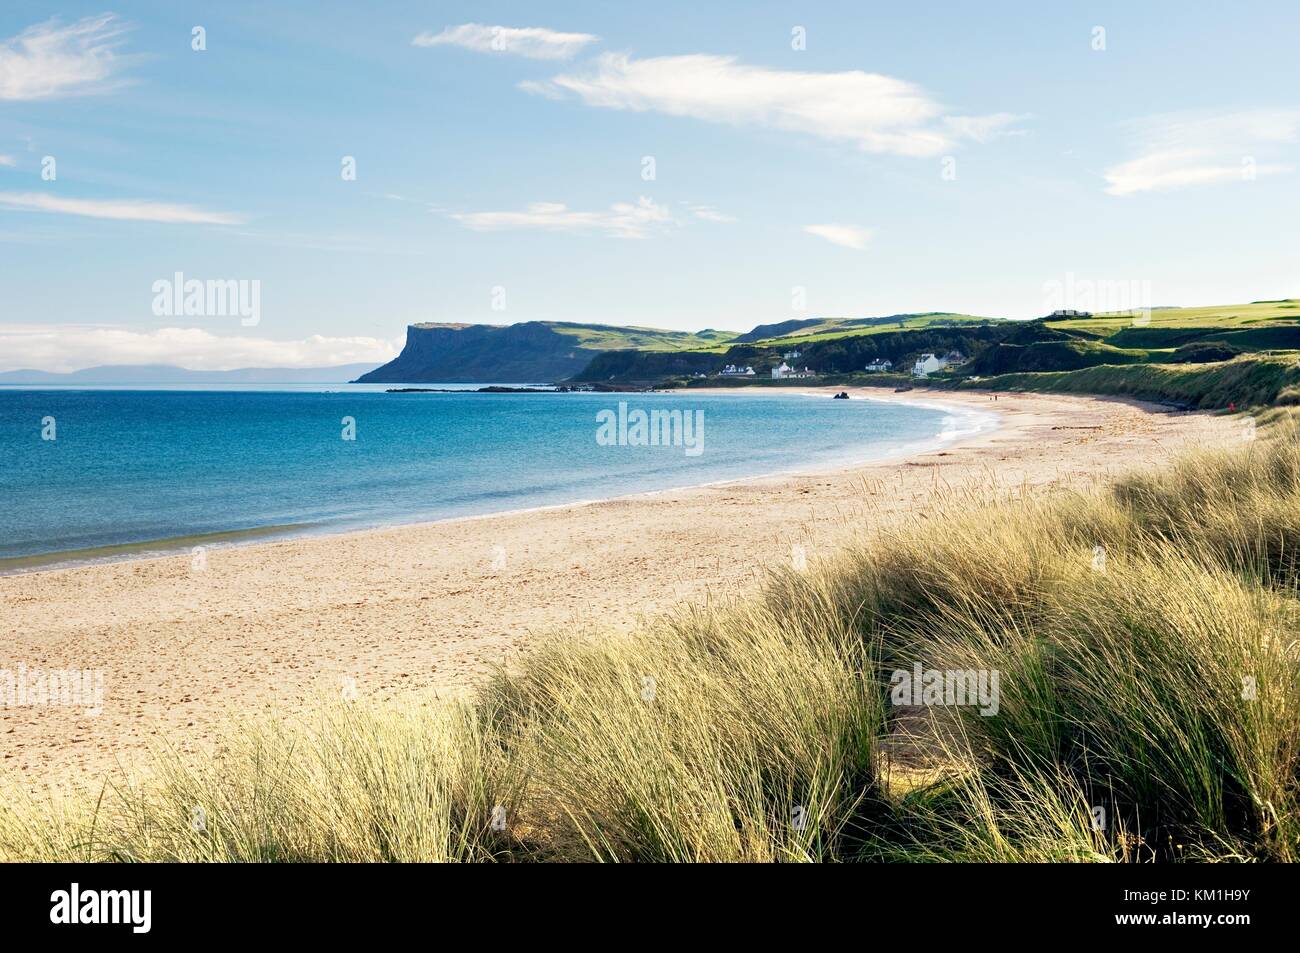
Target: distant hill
<point x="802" y="330"/>
<point x="169" y="374"/>
<point x="1220" y="356"/>
<point x="530" y="352"/>
<point x="778" y="330"/>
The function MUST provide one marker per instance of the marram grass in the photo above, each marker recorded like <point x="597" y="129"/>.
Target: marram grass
<point x="1145" y="637"/>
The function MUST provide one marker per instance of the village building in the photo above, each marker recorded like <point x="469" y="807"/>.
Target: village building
<point x="927" y="364"/>
<point x="786" y="372"/>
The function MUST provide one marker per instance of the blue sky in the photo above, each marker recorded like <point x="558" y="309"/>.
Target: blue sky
<point x="500" y="151"/>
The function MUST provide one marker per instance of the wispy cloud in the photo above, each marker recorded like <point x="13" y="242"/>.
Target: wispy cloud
<point x="8" y="161"/>
<point x="72" y="347"/>
<point x="877" y="113"/>
<point x="126" y="210"/>
<point x="621" y="220"/>
<point x="1195" y="149"/>
<point x="985" y="128"/>
<point x="708" y="213"/>
<point x="534" y="42"/>
<point x="847" y="236"/>
<point x="51" y="60"/>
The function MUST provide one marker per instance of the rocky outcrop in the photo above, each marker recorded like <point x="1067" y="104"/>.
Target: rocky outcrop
<point x="526" y="353"/>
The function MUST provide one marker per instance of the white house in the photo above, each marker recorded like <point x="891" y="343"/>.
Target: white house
<point x="880" y="364"/>
<point x="954" y="358"/>
<point x="927" y="364"/>
<point x="785" y="371"/>
<point x="792" y="355"/>
<point x="731" y="370"/>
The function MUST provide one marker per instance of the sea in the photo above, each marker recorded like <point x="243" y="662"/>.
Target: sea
<point x="91" y="474"/>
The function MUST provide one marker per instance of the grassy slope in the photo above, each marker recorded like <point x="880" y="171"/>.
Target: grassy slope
<point x="610" y="337"/>
<point x="1137" y="358"/>
<point x="831" y="329"/>
<point x="1117" y="354"/>
<point x="600" y="337"/>
<point x="1159" y="684"/>
<point x="1231" y="316"/>
<point x="1241" y="382"/>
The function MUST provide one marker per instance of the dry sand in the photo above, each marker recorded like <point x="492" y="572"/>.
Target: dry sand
<point x="424" y="606"/>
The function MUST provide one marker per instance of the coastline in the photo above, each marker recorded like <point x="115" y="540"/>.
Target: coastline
<point x="168" y="547"/>
<point x="434" y="605"/>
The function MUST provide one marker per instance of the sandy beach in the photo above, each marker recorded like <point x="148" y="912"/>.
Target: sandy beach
<point x="433" y="605"/>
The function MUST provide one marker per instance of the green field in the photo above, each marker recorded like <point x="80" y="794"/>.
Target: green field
<point x="830" y="329"/>
<point x="1227" y="317"/>
<point x="602" y="337"/>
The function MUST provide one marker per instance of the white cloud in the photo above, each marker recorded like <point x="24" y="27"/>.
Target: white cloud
<point x="49" y="60"/>
<point x="125" y="210"/>
<point x="534" y="42"/>
<point x="8" y="161"/>
<point x="708" y="213"/>
<point x="876" y="113"/>
<point x="71" y="347"/>
<point x="621" y="220"/>
<point x="848" y="236"/>
<point x="985" y="128"/>
<point x="546" y="90"/>
<point x="1193" y="149"/>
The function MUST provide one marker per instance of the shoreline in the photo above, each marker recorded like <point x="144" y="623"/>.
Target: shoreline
<point x="239" y="537"/>
<point x="431" y="607"/>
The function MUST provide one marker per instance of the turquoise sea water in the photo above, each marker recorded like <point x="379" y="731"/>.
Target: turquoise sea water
<point x="133" y="471"/>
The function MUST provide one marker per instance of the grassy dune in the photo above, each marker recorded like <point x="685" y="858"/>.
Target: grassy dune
<point x="1245" y="381"/>
<point x="1156" y="679"/>
<point x="1141" y="359"/>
